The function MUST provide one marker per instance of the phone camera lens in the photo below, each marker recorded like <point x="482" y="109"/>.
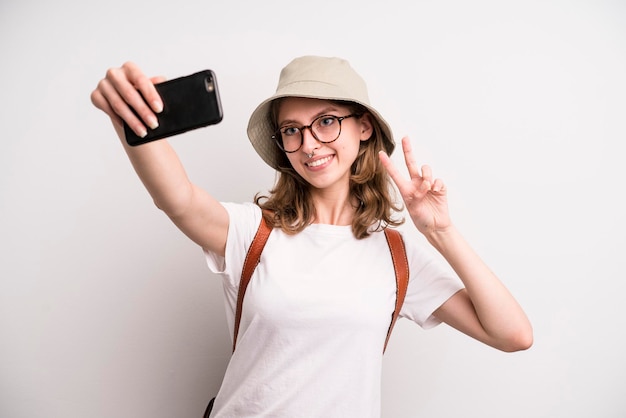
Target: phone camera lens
<point x="208" y="84"/>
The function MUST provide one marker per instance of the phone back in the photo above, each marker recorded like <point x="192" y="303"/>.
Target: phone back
<point x="189" y="102"/>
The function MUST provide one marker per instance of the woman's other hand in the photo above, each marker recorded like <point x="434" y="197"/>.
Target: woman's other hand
<point x="425" y="198"/>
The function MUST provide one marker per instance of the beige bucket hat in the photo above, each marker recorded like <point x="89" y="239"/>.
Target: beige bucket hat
<point x="312" y="77"/>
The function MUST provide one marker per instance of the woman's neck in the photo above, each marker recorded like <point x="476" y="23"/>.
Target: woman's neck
<point x="333" y="208"/>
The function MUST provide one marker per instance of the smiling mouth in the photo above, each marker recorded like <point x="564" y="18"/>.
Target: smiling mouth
<point x="319" y="162"/>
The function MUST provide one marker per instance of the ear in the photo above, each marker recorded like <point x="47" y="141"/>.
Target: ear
<point x="367" y="127"/>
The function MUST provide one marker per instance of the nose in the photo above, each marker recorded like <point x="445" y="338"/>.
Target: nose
<point x="309" y="142"/>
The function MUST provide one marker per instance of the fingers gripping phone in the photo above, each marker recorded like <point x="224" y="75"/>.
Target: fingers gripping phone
<point x="189" y="102"/>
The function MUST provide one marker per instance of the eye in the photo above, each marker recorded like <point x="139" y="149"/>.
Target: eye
<point x="289" y="130"/>
<point x="326" y="121"/>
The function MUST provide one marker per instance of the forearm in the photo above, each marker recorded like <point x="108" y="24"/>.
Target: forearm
<point x="126" y="95"/>
<point x="499" y="314"/>
<point x="161" y="172"/>
<point x="196" y="213"/>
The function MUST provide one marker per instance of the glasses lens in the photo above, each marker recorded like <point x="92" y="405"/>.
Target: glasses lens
<point x="289" y="138"/>
<point x="326" y="128"/>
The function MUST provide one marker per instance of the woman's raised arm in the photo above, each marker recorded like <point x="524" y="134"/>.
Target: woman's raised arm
<point x="196" y="213"/>
<point x="485" y="309"/>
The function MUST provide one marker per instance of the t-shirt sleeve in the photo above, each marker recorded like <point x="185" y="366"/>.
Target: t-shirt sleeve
<point x="432" y="282"/>
<point x="244" y="220"/>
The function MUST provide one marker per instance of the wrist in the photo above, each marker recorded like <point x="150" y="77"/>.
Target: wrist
<point x="441" y="238"/>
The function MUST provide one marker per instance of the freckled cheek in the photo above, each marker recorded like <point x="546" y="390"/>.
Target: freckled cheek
<point x="294" y="163"/>
<point x="350" y="150"/>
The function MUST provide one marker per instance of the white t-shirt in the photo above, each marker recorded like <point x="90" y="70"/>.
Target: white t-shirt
<point x="315" y="318"/>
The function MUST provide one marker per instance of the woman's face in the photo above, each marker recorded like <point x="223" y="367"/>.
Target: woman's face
<point x="329" y="166"/>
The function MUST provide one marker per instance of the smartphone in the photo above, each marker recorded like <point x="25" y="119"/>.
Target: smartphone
<point x="189" y="102"/>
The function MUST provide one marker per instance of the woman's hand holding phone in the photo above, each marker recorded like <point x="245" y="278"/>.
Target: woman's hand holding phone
<point x="124" y="94"/>
<point x="151" y="109"/>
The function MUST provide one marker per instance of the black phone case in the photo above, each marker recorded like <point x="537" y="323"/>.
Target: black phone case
<point x="189" y="102"/>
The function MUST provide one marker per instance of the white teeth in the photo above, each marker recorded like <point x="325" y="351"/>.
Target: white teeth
<point x="319" y="162"/>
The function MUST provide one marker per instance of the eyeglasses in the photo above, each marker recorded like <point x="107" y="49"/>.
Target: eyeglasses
<point x="325" y="129"/>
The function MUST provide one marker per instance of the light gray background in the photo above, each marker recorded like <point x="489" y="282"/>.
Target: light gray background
<point x="106" y="310"/>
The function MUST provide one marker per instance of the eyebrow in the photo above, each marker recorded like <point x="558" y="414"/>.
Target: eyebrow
<point x="324" y="111"/>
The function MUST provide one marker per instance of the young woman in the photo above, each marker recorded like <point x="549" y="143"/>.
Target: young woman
<point x="318" y="307"/>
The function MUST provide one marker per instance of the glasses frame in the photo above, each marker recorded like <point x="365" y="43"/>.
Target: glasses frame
<point x="276" y="136"/>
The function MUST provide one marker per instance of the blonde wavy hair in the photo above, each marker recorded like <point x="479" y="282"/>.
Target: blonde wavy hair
<point x="290" y="207"/>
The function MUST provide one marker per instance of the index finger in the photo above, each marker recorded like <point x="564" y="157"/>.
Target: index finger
<point x="136" y="92"/>
<point x="409" y="159"/>
<point x="392" y="170"/>
<point x="143" y="84"/>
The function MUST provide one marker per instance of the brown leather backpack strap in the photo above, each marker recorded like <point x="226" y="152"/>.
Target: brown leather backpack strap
<point x="401" y="267"/>
<point x="252" y="259"/>
<point x="398" y="255"/>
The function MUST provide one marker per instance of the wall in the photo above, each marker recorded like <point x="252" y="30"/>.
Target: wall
<point x="106" y="310"/>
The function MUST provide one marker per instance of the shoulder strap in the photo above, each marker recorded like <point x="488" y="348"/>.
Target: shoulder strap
<point x="401" y="267"/>
<point x="398" y="256"/>
<point x="252" y="259"/>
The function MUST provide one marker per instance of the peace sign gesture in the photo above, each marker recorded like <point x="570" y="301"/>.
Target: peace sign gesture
<point x="425" y="198"/>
